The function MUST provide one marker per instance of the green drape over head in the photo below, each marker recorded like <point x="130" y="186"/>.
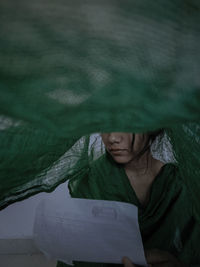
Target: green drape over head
<point x="72" y="68"/>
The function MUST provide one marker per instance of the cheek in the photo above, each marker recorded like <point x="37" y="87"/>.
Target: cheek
<point x="104" y="138"/>
<point x="129" y="141"/>
<point x="105" y="142"/>
<point x="138" y="143"/>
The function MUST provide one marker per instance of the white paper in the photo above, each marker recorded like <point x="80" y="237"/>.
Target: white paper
<point x="88" y="230"/>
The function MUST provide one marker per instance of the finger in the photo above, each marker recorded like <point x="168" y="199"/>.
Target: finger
<point x="154" y="256"/>
<point x="127" y="262"/>
<point x="164" y="264"/>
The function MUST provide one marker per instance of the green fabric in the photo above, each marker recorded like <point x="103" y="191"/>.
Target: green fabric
<point x="72" y="68"/>
<point x="167" y="222"/>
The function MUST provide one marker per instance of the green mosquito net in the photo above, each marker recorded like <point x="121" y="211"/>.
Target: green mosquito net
<point x="73" y="68"/>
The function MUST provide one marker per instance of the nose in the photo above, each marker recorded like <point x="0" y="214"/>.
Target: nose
<point x="114" y="138"/>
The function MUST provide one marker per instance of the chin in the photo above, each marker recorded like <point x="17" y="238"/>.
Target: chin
<point x="121" y="160"/>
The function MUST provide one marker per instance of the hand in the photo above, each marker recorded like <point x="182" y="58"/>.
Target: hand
<point x="161" y="258"/>
<point x="127" y="262"/>
<point x="156" y="258"/>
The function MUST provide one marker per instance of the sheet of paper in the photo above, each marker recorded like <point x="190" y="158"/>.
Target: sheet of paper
<point x="88" y="230"/>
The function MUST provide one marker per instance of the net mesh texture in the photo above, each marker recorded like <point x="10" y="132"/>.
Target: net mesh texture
<point x="69" y="69"/>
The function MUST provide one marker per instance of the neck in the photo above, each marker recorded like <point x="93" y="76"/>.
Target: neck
<point x="141" y="164"/>
<point x="146" y="166"/>
<point x="141" y="174"/>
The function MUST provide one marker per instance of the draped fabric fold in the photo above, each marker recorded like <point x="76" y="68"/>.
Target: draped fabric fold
<point x="72" y="68"/>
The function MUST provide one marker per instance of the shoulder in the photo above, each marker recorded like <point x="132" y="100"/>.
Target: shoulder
<point x="86" y="183"/>
<point x="171" y="181"/>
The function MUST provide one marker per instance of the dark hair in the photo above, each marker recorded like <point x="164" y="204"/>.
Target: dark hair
<point x="151" y="136"/>
<point x="150" y="139"/>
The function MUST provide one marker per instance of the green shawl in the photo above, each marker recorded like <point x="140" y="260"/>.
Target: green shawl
<point x="167" y="222"/>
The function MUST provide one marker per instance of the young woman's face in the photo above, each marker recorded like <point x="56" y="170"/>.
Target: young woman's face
<point x="121" y="146"/>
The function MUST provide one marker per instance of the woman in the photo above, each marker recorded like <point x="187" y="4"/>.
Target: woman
<point x="129" y="173"/>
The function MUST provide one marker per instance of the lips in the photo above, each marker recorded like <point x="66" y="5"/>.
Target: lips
<point x="117" y="151"/>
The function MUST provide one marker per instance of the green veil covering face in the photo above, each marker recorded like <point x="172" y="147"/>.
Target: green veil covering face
<point x="72" y="68"/>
